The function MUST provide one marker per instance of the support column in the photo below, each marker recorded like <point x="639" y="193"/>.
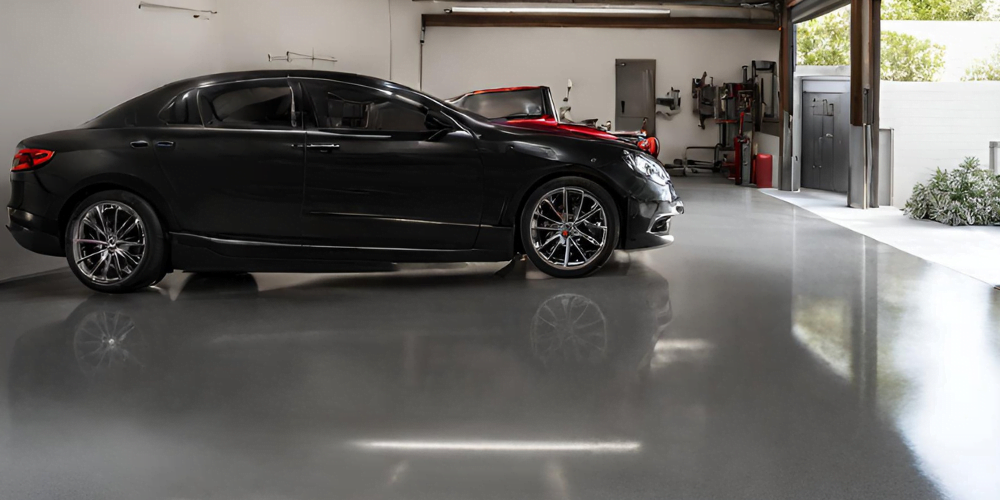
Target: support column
<point x="866" y="31"/>
<point x="786" y="74"/>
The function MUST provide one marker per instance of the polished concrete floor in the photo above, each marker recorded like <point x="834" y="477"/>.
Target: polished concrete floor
<point x="970" y="250"/>
<point x="769" y="354"/>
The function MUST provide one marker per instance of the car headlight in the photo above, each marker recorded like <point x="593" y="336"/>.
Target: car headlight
<point x="647" y="166"/>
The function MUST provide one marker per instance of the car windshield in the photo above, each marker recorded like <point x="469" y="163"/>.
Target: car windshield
<point x="527" y="103"/>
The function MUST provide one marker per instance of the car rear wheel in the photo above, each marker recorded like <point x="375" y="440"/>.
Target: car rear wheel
<point x="569" y="227"/>
<point x="115" y="243"/>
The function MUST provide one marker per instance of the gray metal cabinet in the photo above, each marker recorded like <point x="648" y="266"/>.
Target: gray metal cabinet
<point x="635" y="94"/>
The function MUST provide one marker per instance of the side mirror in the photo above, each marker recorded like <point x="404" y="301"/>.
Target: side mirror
<point x="436" y="120"/>
<point x="440" y="124"/>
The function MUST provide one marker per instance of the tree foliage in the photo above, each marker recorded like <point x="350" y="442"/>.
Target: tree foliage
<point x="907" y="58"/>
<point x="826" y="41"/>
<point x="986" y="69"/>
<point x="937" y="10"/>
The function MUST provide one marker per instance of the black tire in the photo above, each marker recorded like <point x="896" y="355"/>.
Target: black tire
<point x="152" y="263"/>
<point x="590" y="264"/>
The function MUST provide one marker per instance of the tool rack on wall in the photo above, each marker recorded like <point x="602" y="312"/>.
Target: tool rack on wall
<point x="738" y="109"/>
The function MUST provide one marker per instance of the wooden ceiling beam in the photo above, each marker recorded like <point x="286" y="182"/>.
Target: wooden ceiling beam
<point x="593" y="21"/>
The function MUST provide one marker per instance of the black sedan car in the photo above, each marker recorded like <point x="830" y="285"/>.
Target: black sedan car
<point x="308" y="171"/>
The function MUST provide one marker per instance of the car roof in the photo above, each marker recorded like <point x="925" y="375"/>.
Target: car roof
<point x="144" y="108"/>
<point x="199" y="81"/>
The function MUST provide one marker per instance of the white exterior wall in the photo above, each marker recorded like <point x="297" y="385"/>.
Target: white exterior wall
<point x="938" y="125"/>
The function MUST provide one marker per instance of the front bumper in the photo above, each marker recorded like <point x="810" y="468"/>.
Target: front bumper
<point x="648" y="223"/>
<point x="35" y="233"/>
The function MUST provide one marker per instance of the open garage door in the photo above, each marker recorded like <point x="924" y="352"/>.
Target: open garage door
<point x="806" y="10"/>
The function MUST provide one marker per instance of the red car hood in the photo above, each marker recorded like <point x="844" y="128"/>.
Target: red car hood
<point x="549" y="123"/>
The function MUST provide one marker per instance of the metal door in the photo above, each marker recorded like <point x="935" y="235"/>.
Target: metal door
<point x="635" y="94"/>
<point x="825" y="141"/>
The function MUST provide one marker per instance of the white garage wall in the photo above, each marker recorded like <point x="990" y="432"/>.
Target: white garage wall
<point x="371" y="37"/>
<point x="355" y="32"/>
<point x="461" y="59"/>
<point x="66" y="61"/>
<point x="937" y="125"/>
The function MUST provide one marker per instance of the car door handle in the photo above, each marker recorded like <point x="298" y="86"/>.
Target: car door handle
<point x="139" y="144"/>
<point x="165" y="144"/>
<point x="323" y="148"/>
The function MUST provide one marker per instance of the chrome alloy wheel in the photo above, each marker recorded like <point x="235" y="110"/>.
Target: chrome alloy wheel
<point x="569" y="228"/>
<point x="109" y="242"/>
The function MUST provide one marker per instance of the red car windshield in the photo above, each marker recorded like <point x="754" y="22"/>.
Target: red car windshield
<point x="512" y="104"/>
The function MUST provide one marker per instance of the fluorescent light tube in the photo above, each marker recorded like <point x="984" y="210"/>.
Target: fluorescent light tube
<point x="560" y="10"/>
<point x="503" y="446"/>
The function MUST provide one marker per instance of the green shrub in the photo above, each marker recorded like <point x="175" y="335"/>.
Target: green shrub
<point x="965" y="196"/>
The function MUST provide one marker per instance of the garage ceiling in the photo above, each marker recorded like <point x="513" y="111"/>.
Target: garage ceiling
<point x="804" y="10"/>
<point x="725" y="14"/>
<point x="715" y="3"/>
<point x="710" y="3"/>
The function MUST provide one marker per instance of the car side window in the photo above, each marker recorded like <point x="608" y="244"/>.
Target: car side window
<point x="257" y="104"/>
<point x="339" y="106"/>
<point x="528" y="103"/>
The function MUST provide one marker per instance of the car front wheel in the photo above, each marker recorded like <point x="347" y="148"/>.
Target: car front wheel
<point x="569" y="227"/>
<point x="115" y="243"/>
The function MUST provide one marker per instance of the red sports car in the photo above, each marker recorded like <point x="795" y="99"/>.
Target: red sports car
<point x="533" y="108"/>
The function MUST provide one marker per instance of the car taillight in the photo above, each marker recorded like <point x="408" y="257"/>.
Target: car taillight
<point x="31" y="158"/>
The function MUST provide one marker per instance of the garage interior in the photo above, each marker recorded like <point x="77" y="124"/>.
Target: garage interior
<point x="768" y="353"/>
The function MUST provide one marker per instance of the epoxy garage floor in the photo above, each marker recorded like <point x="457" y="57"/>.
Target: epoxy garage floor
<point x="769" y="354"/>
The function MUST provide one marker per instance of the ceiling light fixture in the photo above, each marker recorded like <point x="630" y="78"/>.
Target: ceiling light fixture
<point x="595" y="10"/>
<point x="197" y="14"/>
<point x="503" y="446"/>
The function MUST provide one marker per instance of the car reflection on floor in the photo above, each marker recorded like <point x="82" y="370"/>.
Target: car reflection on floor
<point x="365" y="372"/>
